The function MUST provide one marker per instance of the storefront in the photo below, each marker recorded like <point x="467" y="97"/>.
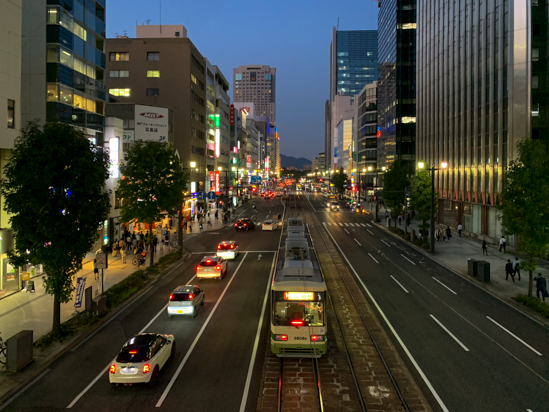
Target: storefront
<point x="10" y="280"/>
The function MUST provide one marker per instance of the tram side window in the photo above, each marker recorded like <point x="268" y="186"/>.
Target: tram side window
<point x="311" y="312"/>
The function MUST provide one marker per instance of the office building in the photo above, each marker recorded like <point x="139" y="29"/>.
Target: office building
<point x="257" y="84"/>
<point x="63" y="63"/>
<point x="396" y="81"/>
<point x="365" y="133"/>
<point x="168" y="72"/>
<point x="342" y="111"/>
<point x="476" y="101"/>
<point x="327" y="136"/>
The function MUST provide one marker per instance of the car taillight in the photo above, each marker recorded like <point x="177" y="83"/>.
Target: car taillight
<point x="133" y="352"/>
<point x="112" y="369"/>
<point x="281" y="337"/>
<point x="218" y="268"/>
<point x="297" y="323"/>
<point x="171" y="297"/>
<point x="219" y="246"/>
<point x="191" y="297"/>
<point x="245" y="224"/>
<point x="236" y="224"/>
<point x="198" y="268"/>
<point x="232" y="246"/>
<point x="146" y="368"/>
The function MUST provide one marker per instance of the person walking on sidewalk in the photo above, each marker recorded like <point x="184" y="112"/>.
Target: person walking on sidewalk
<point x="502" y="244"/>
<point x="509" y="270"/>
<point x="216" y="216"/>
<point x="399" y="220"/>
<point x="516" y="268"/>
<point x="448" y="232"/>
<point x="460" y="228"/>
<point x="484" y="248"/>
<point x="541" y="287"/>
<point x="123" y="255"/>
<point x="115" y="248"/>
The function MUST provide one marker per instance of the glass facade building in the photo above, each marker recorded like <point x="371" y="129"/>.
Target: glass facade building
<point x="482" y="87"/>
<point x="397" y="81"/>
<point x="75" y="70"/>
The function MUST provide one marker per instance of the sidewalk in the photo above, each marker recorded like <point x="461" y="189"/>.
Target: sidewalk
<point x="454" y="255"/>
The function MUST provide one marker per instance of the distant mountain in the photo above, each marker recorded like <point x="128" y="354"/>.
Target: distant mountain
<point x="287" y="161"/>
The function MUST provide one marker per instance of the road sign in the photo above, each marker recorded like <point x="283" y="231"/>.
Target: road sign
<point x="201" y="196"/>
<point x="211" y="195"/>
<point x="80" y="286"/>
<point x="101" y="261"/>
<point x="254" y="180"/>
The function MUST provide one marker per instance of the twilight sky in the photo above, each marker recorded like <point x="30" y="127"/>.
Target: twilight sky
<point x="292" y="35"/>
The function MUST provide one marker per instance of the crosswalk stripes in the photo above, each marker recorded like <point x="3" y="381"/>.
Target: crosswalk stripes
<point x="363" y="224"/>
<point x="346" y="224"/>
<point x="352" y="224"/>
<point x="340" y="224"/>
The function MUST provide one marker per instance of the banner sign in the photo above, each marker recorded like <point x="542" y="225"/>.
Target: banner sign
<point x="151" y="123"/>
<point x="232" y="114"/>
<point x="128" y="136"/>
<point x="216" y="182"/>
<point x="249" y="162"/>
<point x="80" y="286"/>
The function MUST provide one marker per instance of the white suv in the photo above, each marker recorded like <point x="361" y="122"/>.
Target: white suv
<point x="185" y="300"/>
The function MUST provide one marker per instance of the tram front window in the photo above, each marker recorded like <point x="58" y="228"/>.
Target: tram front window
<point x="298" y="313"/>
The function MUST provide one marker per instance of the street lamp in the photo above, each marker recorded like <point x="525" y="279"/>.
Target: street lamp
<point x="443" y="165"/>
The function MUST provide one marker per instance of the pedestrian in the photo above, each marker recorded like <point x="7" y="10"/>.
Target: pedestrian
<point x="155" y="243"/>
<point x="128" y="242"/>
<point x="408" y="219"/>
<point x="115" y="249"/>
<point x="448" y="232"/>
<point x="437" y="235"/>
<point x="443" y="234"/>
<point x="413" y="214"/>
<point x="95" y="268"/>
<point x="484" y="248"/>
<point x="516" y="268"/>
<point x="502" y="244"/>
<point x="399" y="220"/>
<point x="509" y="270"/>
<point x="216" y="215"/>
<point x="541" y="287"/>
<point x="460" y="228"/>
<point x="386" y="215"/>
<point x="123" y="254"/>
<point x="134" y="243"/>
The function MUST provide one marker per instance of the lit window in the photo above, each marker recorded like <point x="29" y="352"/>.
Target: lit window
<point x="11" y="114"/>
<point x="79" y="101"/>
<point x="239" y="76"/>
<point x="90" y="105"/>
<point x="119" y="56"/>
<point x="79" y="66"/>
<point x="153" y="56"/>
<point x="53" y="95"/>
<point x="156" y="73"/>
<point x="124" y="73"/>
<point x="80" y="31"/>
<point x="120" y="92"/>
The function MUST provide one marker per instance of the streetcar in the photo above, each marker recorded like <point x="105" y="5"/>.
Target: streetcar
<point x="298" y="296"/>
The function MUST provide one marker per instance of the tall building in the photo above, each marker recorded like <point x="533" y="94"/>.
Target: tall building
<point x="476" y="101"/>
<point x="365" y="133"/>
<point x="169" y="72"/>
<point x="353" y="61"/>
<point x="63" y="63"/>
<point x="327" y="136"/>
<point x="342" y="111"/>
<point x="257" y="84"/>
<point x="396" y="81"/>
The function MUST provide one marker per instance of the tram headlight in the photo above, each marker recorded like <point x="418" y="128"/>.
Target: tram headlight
<point x="281" y="337"/>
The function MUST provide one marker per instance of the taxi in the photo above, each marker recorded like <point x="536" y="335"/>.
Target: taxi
<point x="228" y="249"/>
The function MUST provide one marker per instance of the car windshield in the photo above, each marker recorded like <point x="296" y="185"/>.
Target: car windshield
<point x="208" y="263"/>
<point x="310" y="312"/>
<point x="181" y="297"/>
<point x="133" y="354"/>
<point x="268" y="222"/>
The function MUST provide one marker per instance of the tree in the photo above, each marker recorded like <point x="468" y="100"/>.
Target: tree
<point x="152" y="182"/>
<point x="54" y="189"/>
<point x="525" y="201"/>
<point x="339" y="180"/>
<point x="394" y="187"/>
<point x="421" y="196"/>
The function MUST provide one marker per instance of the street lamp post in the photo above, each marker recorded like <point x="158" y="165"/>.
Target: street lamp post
<point x="444" y="165"/>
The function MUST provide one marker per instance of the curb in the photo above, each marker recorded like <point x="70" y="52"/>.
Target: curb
<point x="83" y="335"/>
<point x="506" y="300"/>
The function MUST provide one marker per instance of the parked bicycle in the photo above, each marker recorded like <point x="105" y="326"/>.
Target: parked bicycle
<point x="3" y="351"/>
<point x="139" y="258"/>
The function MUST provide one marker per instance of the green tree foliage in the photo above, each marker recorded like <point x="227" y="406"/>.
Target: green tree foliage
<point x="54" y="189"/>
<point x="394" y="187"/>
<point x="339" y="180"/>
<point x="525" y="202"/>
<point x="153" y="182"/>
<point x="421" y="196"/>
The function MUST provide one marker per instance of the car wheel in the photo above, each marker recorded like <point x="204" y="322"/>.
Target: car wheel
<point x="172" y="353"/>
<point x="114" y="385"/>
<point x="171" y="316"/>
<point x="154" y="376"/>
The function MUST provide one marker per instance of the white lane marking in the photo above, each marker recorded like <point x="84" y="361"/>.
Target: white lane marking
<point x="330" y="223"/>
<point x="352" y="224"/>
<point x="308" y="198"/>
<point x="357" y="242"/>
<point x="363" y="225"/>
<point x="399" y="284"/>
<point x="370" y="231"/>
<point x="386" y="243"/>
<point x="515" y="336"/>
<point x="14" y="397"/>
<point x="416" y="365"/>
<point x="373" y="258"/>
<point x="369" y="225"/>
<point x="324" y="223"/>
<point x="340" y="224"/>
<point x="346" y="224"/>
<point x="444" y="285"/>
<point x="450" y="333"/>
<point x="87" y="388"/>
<point x="346" y="231"/>
<point x="256" y="343"/>
<point x="404" y="257"/>
<point x="190" y="350"/>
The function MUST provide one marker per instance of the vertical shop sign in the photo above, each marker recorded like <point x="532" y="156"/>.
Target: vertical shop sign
<point x="80" y="286"/>
<point x="216" y="183"/>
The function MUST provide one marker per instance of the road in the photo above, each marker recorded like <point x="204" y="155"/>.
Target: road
<point x="467" y="350"/>
<point x="212" y="369"/>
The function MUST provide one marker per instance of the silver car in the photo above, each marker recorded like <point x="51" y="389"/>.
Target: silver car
<point x="185" y="300"/>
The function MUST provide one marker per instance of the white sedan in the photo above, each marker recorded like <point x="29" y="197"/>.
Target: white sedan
<point x="212" y="267"/>
<point x="141" y="358"/>
<point x="228" y="249"/>
<point x="269" y="225"/>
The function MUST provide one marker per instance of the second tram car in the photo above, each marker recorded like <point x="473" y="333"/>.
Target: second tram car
<point x="298" y="296"/>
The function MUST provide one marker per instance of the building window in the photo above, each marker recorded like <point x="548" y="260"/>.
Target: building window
<point x="119" y="56"/>
<point x="120" y="92"/>
<point x="11" y="114"/>
<point x="153" y="73"/>
<point x="535" y="82"/>
<point x="238" y="76"/>
<point x="153" y="92"/>
<point x="119" y="73"/>
<point x="153" y="56"/>
<point x="197" y="98"/>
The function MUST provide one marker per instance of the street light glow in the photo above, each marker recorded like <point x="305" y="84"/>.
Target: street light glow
<point x="444" y="165"/>
<point x="193" y="164"/>
<point x="370" y="168"/>
<point x="421" y="165"/>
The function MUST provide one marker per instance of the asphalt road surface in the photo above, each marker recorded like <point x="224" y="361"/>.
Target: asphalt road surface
<point x="467" y="350"/>
<point x="213" y="369"/>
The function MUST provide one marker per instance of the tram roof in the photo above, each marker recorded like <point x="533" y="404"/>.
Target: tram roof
<point x="298" y="286"/>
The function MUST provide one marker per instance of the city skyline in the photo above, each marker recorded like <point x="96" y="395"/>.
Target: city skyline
<point x="299" y="48"/>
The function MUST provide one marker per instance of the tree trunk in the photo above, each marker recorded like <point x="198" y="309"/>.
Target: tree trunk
<point x="56" y="327"/>
<point x="151" y="246"/>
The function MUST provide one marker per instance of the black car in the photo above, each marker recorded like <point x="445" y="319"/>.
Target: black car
<point x="244" y="224"/>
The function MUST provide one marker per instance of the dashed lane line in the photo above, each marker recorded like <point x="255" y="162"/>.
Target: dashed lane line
<point x="373" y="258"/>
<point x="444" y="285"/>
<point x="357" y="242"/>
<point x="403" y="256"/>
<point x="450" y="333"/>
<point x="514" y="336"/>
<point x="399" y="284"/>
